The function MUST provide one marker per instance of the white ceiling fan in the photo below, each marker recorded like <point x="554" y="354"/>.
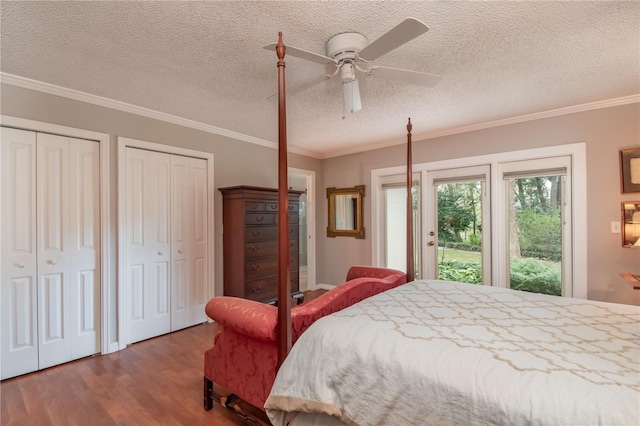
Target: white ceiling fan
<point x="351" y="52"/>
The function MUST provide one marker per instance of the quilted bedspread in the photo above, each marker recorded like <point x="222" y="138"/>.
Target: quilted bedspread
<point x="438" y="352"/>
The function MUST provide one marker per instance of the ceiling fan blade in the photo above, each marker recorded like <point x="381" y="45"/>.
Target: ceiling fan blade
<point x="405" y="31"/>
<point x="303" y="54"/>
<point x="404" y="76"/>
<point x="304" y="86"/>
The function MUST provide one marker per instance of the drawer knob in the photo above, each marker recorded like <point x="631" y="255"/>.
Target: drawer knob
<point x="259" y="219"/>
<point x="255" y="267"/>
<point x="255" y="233"/>
<point x="255" y="248"/>
<point x="20" y="265"/>
<point x="256" y="289"/>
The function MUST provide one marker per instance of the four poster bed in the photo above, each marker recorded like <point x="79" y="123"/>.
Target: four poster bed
<point x="438" y="352"/>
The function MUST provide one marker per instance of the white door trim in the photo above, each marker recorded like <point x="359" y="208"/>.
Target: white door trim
<point x="577" y="151"/>
<point x="123" y="143"/>
<point x="311" y="224"/>
<point x="105" y="263"/>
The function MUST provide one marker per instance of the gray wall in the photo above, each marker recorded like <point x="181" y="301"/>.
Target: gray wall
<point x="235" y="162"/>
<point x="605" y="132"/>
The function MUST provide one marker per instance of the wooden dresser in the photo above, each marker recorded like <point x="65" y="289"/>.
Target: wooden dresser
<point x="250" y="240"/>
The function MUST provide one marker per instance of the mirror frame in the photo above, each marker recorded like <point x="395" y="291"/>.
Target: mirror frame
<point x="630" y="224"/>
<point x="358" y="232"/>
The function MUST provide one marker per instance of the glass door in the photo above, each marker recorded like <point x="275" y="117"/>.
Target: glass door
<point x="458" y="239"/>
<point x="394" y="219"/>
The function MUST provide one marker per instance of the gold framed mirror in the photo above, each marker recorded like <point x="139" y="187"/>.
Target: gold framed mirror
<point x="631" y="224"/>
<point x="345" y="212"/>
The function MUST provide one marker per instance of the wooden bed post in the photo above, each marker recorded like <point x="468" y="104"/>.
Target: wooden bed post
<point x="410" y="265"/>
<point x="284" y="267"/>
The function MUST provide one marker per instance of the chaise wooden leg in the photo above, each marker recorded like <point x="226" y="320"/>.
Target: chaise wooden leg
<point x="208" y="394"/>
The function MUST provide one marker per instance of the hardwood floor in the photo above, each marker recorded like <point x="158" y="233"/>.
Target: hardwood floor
<point x="157" y="381"/>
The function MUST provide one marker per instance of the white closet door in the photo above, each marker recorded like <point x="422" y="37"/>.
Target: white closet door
<point x="189" y="270"/>
<point x="147" y="233"/>
<point x="51" y="257"/>
<point x="53" y="230"/>
<point x="84" y="247"/>
<point x="19" y="343"/>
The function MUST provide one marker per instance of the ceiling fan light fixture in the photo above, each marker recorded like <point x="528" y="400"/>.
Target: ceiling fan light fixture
<point x="349" y="52"/>
<point x="351" y="96"/>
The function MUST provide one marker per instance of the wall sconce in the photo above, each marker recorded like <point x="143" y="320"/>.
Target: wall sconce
<point x="631" y="224"/>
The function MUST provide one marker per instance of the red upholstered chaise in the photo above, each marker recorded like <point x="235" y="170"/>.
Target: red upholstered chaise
<point x="244" y="355"/>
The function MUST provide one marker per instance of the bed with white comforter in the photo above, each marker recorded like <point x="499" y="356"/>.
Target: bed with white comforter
<point x="438" y="352"/>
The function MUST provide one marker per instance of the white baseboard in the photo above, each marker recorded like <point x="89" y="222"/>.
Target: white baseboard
<point x="325" y="286"/>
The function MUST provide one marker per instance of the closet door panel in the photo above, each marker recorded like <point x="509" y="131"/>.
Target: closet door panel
<point x="158" y="230"/>
<point x="18" y="300"/>
<point x="200" y="241"/>
<point x="53" y="231"/>
<point x="84" y="247"/>
<point x="182" y="200"/>
<point x="147" y="233"/>
<point x="189" y="241"/>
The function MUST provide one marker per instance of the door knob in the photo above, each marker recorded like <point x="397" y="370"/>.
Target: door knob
<point x="431" y="243"/>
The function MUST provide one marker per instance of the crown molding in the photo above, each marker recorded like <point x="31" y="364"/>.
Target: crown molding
<point x="27" y="83"/>
<point x="51" y="89"/>
<point x="497" y="123"/>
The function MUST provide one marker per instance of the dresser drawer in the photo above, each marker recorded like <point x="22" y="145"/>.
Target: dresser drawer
<point x="260" y="218"/>
<point x="272" y="206"/>
<point x="260" y="267"/>
<point x="254" y="206"/>
<point x="266" y="288"/>
<point x="259" y="233"/>
<point x="262" y="289"/>
<point x="267" y="248"/>
<point x="293" y="218"/>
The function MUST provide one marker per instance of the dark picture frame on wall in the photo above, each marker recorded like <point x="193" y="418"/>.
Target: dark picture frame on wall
<point x="630" y="170"/>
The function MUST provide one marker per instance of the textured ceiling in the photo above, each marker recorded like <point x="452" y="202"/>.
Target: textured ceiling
<point x="204" y="61"/>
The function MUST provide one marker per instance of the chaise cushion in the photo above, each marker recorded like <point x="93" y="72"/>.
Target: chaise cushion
<point x="253" y="319"/>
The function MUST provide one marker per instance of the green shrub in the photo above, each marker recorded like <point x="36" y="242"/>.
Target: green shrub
<point x="475" y="239"/>
<point x="540" y="234"/>
<point x="526" y="274"/>
<point x="536" y="276"/>
<point x="461" y="246"/>
<point x="466" y="272"/>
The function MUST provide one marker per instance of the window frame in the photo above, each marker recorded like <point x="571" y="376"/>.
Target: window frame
<point x="577" y="152"/>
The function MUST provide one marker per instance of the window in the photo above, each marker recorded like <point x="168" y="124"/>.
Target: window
<point x="538" y="225"/>
<point x="506" y="219"/>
